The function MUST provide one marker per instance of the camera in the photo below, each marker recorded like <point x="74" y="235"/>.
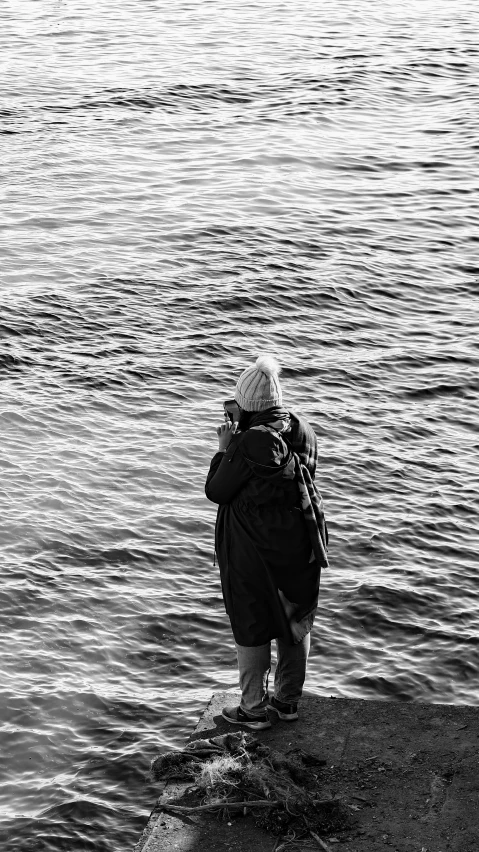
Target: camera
<point x="232" y="410"/>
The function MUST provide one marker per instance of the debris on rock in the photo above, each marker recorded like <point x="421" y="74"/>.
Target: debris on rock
<point x="236" y="774"/>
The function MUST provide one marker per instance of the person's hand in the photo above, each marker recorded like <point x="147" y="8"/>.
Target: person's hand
<point x="225" y="432"/>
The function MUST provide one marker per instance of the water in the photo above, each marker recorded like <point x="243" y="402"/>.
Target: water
<point x="185" y="187"/>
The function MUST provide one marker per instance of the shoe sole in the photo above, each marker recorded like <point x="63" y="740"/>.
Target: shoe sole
<point x="285" y="717"/>
<point x="253" y="726"/>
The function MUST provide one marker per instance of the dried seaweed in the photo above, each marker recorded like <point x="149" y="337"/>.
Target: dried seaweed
<point x="235" y="774"/>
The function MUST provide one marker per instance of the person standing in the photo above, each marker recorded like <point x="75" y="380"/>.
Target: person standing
<point x="271" y="540"/>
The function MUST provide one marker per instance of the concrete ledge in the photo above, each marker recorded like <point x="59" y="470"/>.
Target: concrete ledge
<point x="409" y="773"/>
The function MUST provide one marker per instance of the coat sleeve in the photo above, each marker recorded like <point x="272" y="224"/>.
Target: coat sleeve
<point x="227" y="475"/>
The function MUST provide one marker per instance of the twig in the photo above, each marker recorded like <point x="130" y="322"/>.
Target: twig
<point x="320" y="842"/>
<point x="224" y="804"/>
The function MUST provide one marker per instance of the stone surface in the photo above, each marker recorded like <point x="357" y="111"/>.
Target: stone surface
<point x="409" y="774"/>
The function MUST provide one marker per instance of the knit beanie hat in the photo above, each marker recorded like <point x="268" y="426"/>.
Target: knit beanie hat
<point x="258" y="387"/>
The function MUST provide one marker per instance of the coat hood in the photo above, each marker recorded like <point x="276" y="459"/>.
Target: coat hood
<point x="267" y="453"/>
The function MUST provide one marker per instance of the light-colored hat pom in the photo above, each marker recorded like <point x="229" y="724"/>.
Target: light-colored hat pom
<point x="267" y="364"/>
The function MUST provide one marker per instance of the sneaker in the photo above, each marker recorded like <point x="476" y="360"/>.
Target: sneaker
<point x="286" y="712"/>
<point x="237" y="716"/>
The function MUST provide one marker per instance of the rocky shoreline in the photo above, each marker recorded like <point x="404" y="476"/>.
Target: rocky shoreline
<point x="406" y="777"/>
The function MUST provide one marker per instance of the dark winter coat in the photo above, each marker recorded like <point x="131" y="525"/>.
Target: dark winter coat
<point x="262" y="542"/>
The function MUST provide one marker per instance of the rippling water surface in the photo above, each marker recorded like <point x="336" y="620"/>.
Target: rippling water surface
<point x="186" y="185"/>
